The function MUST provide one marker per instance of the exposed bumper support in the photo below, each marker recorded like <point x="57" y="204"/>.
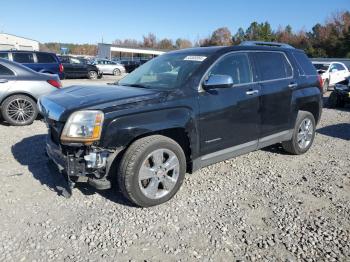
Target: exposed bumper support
<point x="91" y="167"/>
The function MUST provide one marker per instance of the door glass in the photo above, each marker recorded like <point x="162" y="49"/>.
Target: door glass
<point x="23" y="57"/>
<point x="339" y="67"/>
<point x="74" y="60"/>
<point x="45" y="58"/>
<point x="235" y="65"/>
<point x="4" y="71"/>
<point x="272" y="66"/>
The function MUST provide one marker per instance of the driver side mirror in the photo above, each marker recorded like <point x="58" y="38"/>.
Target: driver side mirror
<point x="218" y="81"/>
<point x="333" y="70"/>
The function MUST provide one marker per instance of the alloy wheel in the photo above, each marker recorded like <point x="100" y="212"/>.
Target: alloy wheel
<point x="20" y="110"/>
<point x="159" y="173"/>
<point x="305" y="133"/>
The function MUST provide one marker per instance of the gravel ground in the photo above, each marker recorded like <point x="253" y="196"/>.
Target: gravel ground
<point x="266" y="205"/>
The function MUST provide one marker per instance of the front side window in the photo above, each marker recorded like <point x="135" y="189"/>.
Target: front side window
<point x="23" y="57"/>
<point x="235" y="65"/>
<point x="272" y="66"/>
<point x="339" y="67"/>
<point x="4" y="71"/>
<point x="167" y="71"/>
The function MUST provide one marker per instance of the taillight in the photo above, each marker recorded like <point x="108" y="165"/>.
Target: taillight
<point x="61" y="68"/>
<point x="320" y="83"/>
<point x="54" y="83"/>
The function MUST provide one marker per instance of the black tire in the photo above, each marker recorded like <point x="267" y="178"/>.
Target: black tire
<point x="325" y="86"/>
<point x="117" y="72"/>
<point x="132" y="161"/>
<point x="8" y="109"/>
<point x="292" y="146"/>
<point x="335" y="101"/>
<point x="93" y="75"/>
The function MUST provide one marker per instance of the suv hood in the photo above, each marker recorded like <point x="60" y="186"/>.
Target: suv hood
<point x="59" y="104"/>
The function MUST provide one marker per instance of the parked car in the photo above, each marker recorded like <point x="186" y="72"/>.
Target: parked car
<point x="331" y="73"/>
<point x="340" y="96"/>
<point x="20" y="88"/>
<point x="109" y="67"/>
<point x="182" y="111"/>
<point x="41" y="62"/>
<point x="78" y="68"/>
<point x="130" y="65"/>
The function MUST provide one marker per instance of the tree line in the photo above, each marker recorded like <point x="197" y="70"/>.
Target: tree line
<point x="330" y="39"/>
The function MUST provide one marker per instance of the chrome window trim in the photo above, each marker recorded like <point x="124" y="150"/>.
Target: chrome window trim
<point x="201" y="89"/>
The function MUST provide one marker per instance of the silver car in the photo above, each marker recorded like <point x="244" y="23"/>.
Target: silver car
<point x="109" y="67"/>
<point x="20" y="88"/>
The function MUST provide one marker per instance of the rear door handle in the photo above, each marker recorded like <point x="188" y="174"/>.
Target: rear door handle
<point x="293" y="85"/>
<point x="2" y="81"/>
<point x="252" y="92"/>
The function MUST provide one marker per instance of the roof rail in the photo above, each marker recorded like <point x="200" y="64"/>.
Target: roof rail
<point x="262" y="43"/>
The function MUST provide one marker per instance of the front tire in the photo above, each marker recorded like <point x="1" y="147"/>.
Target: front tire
<point x="117" y="72"/>
<point x="303" y="134"/>
<point x="152" y="170"/>
<point x="335" y="101"/>
<point x="19" y="110"/>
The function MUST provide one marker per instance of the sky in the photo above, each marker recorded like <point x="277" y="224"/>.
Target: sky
<point x="87" y="21"/>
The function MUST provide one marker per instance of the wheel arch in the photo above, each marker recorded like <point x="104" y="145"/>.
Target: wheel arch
<point x="18" y="93"/>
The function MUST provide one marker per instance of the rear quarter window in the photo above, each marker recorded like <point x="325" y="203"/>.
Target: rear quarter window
<point x="4" y="55"/>
<point x="23" y="57"/>
<point x="45" y="58"/>
<point x="304" y="63"/>
<point x="272" y="66"/>
<point x="4" y="71"/>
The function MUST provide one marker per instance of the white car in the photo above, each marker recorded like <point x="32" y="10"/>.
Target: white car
<point x="331" y="73"/>
<point x="109" y="67"/>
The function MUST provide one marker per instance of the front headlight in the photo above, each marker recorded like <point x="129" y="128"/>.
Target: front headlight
<point x="83" y="126"/>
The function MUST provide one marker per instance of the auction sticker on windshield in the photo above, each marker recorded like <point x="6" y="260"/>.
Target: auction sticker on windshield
<point x="195" y="58"/>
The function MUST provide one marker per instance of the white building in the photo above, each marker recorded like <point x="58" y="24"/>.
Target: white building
<point x="13" y="42"/>
<point x="105" y="51"/>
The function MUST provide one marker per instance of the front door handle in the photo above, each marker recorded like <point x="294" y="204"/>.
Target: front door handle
<point x="293" y="85"/>
<point x="252" y="92"/>
<point x="2" y="81"/>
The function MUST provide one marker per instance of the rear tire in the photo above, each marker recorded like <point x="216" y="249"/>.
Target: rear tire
<point x="93" y="75"/>
<point x="151" y="170"/>
<point x="325" y="86"/>
<point x="303" y="134"/>
<point x="19" y="110"/>
<point x="117" y="72"/>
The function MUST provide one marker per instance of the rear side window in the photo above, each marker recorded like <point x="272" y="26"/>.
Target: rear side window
<point x="23" y="57"/>
<point x="4" y="71"/>
<point x="4" y="55"/>
<point x="306" y="67"/>
<point x="272" y="66"/>
<point x="235" y="65"/>
<point x="45" y="58"/>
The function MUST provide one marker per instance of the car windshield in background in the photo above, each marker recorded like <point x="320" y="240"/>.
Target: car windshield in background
<point x="323" y="67"/>
<point x="164" y="72"/>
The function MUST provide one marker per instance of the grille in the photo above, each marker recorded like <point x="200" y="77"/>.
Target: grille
<point x="55" y="130"/>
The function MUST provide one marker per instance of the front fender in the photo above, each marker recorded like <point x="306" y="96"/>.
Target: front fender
<point x="121" y="131"/>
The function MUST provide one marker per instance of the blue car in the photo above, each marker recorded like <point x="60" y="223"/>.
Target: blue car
<point x="42" y="62"/>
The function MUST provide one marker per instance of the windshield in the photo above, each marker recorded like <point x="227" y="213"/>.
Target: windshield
<point x="164" y="72"/>
<point x="321" y="66"/>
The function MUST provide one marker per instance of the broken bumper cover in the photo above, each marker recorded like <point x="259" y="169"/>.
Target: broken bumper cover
<point x="75" y="169"/>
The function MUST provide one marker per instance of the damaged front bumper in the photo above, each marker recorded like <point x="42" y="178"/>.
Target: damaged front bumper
<point x="82" y="164"/>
